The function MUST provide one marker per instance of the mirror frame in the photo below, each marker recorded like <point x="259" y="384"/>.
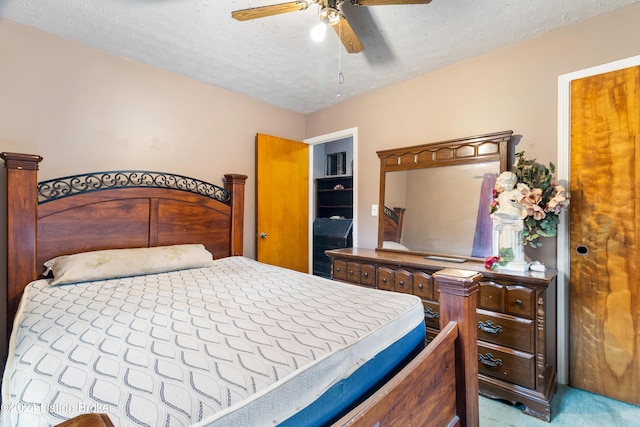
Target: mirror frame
<point x="468" y="150"/>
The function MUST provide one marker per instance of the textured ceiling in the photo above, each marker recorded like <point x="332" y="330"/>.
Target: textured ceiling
<point x="274" y="59"/>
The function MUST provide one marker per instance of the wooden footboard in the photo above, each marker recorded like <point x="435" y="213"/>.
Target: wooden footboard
<point x="440" y="386"/>
<point x="422" y="394"/>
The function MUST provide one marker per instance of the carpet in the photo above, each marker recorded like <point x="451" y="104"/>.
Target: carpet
<point x="569" y="407"/>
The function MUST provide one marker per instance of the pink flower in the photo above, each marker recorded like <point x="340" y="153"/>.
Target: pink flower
<point x="536" y="212"/>
<point x="559" y="200"/>
<point x="489" y="262"/>
<point x="533" y="197"/>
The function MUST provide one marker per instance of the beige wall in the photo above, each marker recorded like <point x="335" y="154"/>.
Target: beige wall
<point x="512" y="88"/>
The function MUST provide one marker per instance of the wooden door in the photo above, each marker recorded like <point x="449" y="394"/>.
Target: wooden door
<point x="282" y="202"/>
<point x="604" y="339"/>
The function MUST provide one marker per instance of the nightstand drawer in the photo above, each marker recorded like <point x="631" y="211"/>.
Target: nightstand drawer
<point x="509" y="365"/>
<point x="508" y="331"/>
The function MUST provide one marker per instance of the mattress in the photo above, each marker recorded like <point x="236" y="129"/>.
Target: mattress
<point x="240" y="343"/>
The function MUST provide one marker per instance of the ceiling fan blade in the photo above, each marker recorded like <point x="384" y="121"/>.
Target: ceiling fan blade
<point x="274" y="9"/>
<point x="387" y="2"/>
<point x="347" y="36"/>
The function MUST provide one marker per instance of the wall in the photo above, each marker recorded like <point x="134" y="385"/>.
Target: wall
<point x="85" y="110"/>
<point x="514" y="88"/>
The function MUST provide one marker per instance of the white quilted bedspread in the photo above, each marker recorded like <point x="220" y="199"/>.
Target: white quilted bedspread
<point x="237" y="344"/>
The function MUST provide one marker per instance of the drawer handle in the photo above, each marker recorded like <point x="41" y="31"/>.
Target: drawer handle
<point x="401" y="282"/>
<point x="384" y="280"/>
<point x="366" y="274"/>
<point x="420" y="286"/>
<point x="430" y="314"/>
<point x="351" y="272"/>
<point x="489" y="361"/>
<point x="519" y="303"/>
<point x="489" y="327"/>
<point x="338" y="269"/>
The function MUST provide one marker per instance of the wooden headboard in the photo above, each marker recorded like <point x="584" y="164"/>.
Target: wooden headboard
<point x="392" y="224"/>
<point x="106" y="210"/>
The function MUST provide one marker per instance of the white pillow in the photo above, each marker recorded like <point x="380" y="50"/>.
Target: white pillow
<point x="114" y="263"/>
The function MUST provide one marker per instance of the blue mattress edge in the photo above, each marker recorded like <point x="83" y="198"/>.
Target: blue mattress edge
<point x="345" y="394"/>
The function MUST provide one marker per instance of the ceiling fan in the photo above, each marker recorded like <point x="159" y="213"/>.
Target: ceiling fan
<point x="330" y="14"/>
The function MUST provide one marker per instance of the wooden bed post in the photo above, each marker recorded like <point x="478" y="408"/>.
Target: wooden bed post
<point x="235" y="184"/>
<point x="22" y="190"/>
<point x="453" y="284"/>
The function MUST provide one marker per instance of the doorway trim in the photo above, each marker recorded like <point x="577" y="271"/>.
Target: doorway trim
<point x="564" y="172"/>
<point x="322" y="139"/>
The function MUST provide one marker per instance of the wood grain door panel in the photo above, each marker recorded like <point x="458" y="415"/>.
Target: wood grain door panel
<point x="604" y="340"/>
<point x="282" y="202"/>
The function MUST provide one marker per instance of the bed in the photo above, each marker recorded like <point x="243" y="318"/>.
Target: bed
<point x="141" y="346"/>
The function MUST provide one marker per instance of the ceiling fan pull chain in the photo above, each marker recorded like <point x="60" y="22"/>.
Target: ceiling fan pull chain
<point x="340" y="75"/>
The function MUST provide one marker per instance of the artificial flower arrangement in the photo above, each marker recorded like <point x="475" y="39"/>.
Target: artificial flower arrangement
<point x="542" y="198"/>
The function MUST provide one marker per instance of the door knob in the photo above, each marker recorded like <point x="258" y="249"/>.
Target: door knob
<point x="263" y="235"/>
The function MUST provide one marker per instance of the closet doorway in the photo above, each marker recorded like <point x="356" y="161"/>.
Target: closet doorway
<point x="332" y="157"/>
<point x="604" y="234"/>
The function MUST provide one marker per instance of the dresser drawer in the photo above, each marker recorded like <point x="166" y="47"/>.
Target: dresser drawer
<point x="355" y="272"/>
<point x="520" y="301"/>
<point x="403" y="281"/>
<point x="368" y="275"/>
<point x="430" y="334"/>
<point x="491" y="296"/>
<point x="424" y="286"/>
<point x="385" y="278"/>
<point x="431" y="314"/>
<point x="508" y="331"/>
<point x="512" y="299"/>
<point x="509" y="365"/>
<point x="339" y="269"/>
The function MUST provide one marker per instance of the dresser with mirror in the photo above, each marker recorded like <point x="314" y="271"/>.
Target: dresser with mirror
<point x="434" y="201"/>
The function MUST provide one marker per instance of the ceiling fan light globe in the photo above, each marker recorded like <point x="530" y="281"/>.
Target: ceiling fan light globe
<point x="329" y="16"/>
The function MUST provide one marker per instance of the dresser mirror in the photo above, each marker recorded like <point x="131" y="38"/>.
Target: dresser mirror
<point x="435" y="197"/>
